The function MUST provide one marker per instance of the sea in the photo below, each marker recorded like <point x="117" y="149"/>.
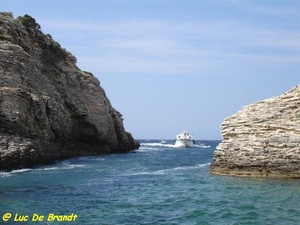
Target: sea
<point x="156" y="184"/>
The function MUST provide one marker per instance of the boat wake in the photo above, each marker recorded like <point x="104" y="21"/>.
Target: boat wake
<point x="169" y="145"/>
<point x="156" y="144"/>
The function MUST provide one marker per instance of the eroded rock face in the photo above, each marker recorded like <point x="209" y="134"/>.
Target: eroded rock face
<point x="49" y="108"/>
<point x="262" y="139"/>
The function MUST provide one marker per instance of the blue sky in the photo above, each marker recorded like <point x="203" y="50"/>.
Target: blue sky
<point x="173" y="65"/>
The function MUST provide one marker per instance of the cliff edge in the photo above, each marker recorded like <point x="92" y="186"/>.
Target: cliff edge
<point x="262" y="139"/>
<point x="49" y="108"/>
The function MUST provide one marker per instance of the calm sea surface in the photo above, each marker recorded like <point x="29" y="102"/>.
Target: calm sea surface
<point x="157" y="184"/>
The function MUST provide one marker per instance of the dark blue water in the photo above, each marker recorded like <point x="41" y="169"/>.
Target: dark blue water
<point x="158" y="184"/>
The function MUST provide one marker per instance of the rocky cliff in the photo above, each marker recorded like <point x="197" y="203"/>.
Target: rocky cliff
<point x="49" y="108"/>
<point x="262" y="139"/>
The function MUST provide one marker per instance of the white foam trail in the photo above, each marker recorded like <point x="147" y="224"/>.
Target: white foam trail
<point x="20" y="171"/>
<point x="201" y="146"/>
<point x="146" y="173"/>
<point x="187" y="167"/>
<point x="93" y="158"/>
<point x="190" y="167"/>
<point x="155" y="144"/>
<point x="8" y="174"/>
<point x="165" y="171"/>
<point x="65" y="167"/>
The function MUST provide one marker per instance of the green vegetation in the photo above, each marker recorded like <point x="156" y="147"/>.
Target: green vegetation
<point x="49" y="36"/>
<point x="89" y="73"/>
<point x="58" y="50"/>
<point x="29" y="22"/>
<point x="56" y="47"/>
<point x="39" y="38"/>
<point x="298" y="116"/>
<point x="85" y="75"/>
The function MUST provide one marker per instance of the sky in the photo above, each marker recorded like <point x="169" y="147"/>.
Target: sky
<point x="174" y="65"/>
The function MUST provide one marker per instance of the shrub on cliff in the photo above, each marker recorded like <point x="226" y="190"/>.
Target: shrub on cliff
<point x="29" y="22"/>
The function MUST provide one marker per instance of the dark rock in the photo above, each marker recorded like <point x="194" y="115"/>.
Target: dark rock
<point x="49" y="108"/>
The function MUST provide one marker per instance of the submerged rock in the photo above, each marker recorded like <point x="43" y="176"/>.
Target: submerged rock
<point x="262" y="139"/>
<point x="49" y="108"/>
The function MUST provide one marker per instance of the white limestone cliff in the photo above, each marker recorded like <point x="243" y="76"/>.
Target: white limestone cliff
<point x="262" y="139"/>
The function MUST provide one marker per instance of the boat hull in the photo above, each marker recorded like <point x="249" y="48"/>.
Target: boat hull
<point x="184" y="143"/>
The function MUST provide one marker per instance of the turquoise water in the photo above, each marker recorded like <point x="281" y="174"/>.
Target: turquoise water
<point x="157" y="184"/>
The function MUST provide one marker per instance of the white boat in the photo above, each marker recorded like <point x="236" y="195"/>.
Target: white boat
<point x="184" y="139"/>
